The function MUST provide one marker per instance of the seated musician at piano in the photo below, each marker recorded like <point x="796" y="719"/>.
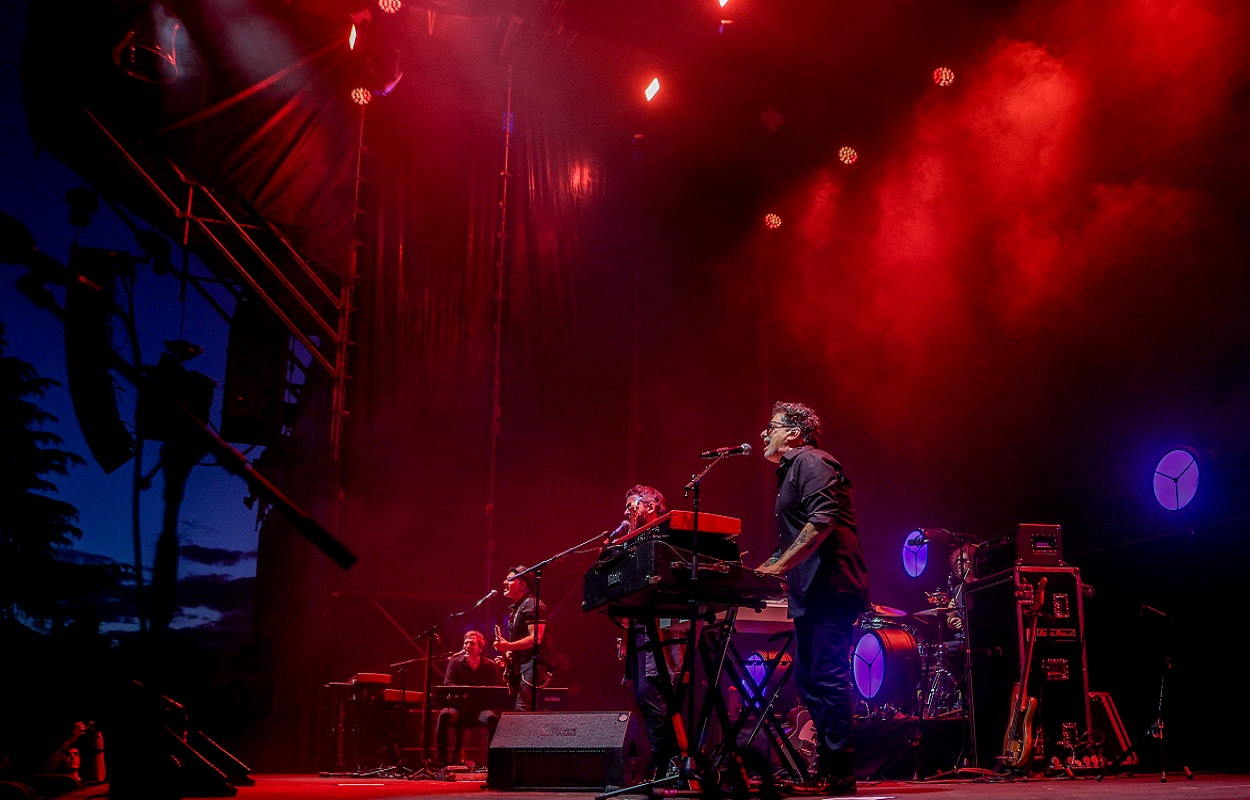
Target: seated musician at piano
<point x="466" y="668"/>
<point x="643" y="505"/>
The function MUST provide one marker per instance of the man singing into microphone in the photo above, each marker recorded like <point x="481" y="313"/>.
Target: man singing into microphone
<point x="819" y="554"/>
<point x="523" y="641"/>
<point x="643" y="505"/>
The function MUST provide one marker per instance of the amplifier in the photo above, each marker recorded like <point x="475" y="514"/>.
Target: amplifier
<point x="1030" y="544"/>
<point x="998" y="631"/>
<point x="555" y="751"/>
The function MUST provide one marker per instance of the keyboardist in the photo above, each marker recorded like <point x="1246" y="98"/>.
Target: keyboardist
<point x="466" y="668"/>
<point x="643" y="505"/>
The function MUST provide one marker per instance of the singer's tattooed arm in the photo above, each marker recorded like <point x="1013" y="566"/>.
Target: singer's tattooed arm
<point x="803" y="546"/>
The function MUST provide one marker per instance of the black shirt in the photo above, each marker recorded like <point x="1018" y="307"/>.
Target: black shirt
<point x="811" y="487"/>
<point x="459" y="673"/>
<point x="520" y="622"/>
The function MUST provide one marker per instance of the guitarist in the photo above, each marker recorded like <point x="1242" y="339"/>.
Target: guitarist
<point x="522" y="639"/>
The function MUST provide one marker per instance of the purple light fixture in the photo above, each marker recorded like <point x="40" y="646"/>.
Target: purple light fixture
<point x="1176" y="479"/>
<point x="869" y="666"/>
<point x="915" y="553"/>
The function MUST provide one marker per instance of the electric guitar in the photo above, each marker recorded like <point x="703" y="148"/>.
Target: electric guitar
<point x="1018" y="741"/>
<point x="505" y="661"/>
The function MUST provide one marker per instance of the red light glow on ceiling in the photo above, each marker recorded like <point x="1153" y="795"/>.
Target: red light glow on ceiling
<point x="652" y="89"/>
<point x="943" y="76"/>
<point x="361" y="96"/>
<point x="772" y="221"/>
<point x="847" y="155"/>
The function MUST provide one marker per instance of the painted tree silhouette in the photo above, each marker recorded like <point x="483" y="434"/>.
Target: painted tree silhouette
<point x="32" y="522"/>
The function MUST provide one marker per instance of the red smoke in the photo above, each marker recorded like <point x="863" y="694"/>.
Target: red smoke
<point x="1029" y="211"/>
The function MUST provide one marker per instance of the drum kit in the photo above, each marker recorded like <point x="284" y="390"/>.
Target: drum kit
<point x="908" y="664"/>
<point x="912" y="664"/>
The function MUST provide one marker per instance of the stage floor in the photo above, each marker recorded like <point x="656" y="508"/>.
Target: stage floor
<point x="1202" y="787"/>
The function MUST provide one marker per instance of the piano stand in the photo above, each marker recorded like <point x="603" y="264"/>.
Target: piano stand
<point x="714" y="645"/>
<point x="759" y="701"/>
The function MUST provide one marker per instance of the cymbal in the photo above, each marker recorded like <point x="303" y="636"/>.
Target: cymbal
<point x="878" y="610"/>
<point x="932" y="612"/>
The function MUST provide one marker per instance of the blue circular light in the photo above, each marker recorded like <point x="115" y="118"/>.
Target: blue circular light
<point x="915" y="556"/>
<point x="1176" y="479"/>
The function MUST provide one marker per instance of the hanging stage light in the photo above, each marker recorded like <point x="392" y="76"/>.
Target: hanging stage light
<point x="148" y="51"/>
<point x="847" y="155"/>
<point x="652" y="89"/>
<point x="943" y="76"/>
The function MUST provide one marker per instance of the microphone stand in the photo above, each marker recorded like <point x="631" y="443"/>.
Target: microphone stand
<point x="537" y="571"/>
<point x="692" y="490"/>
<point x="430" y="637"/>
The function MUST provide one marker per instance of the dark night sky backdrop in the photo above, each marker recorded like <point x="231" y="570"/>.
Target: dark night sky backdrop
<point x="1031" y="285"/>
<point x="33" y="190"/>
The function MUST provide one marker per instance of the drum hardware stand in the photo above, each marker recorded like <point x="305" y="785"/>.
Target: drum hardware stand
<point x="959" y="580"/>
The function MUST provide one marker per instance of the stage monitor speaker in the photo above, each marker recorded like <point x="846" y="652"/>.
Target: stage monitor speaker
<point x="546" y="750"/>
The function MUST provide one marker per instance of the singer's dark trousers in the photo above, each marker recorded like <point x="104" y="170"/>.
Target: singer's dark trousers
<point x="822" y="670"/>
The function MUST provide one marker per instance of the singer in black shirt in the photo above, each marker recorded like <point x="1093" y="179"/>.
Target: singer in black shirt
<point x="819" y="554"/>
<point x="466" y="668"/>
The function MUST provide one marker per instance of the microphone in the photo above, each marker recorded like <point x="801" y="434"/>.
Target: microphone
<point x="917" y="540"/>
<point x="720" y="452"/>
<point x="622" y="528"/>
<point x="485" y="597"/>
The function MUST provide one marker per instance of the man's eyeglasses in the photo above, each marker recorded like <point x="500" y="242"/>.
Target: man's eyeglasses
<point x="772" y="426"/>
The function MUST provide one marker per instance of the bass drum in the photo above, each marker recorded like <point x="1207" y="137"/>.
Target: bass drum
<point x="885" y="666"/>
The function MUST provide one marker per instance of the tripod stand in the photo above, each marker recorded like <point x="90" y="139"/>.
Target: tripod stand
<point x="1156" y="730"/>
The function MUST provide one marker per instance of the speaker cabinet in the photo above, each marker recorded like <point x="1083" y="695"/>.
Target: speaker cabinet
<point x="998" y="630"/>
<point x="585" y="750"/>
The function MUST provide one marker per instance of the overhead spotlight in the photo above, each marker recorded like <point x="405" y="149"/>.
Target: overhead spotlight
<point x="847" y="155"/>
<point x="361" y="96"/>
<point x="943" y="76"/>
<point x="772" y="221"/>
<point x="1176" y="479"/>
<point x="149" y="49"/>
<point x="390" y="6"/>
<point x="351" y="38"/>
<point x="652" y="89"/>
<point x="723" y="3"/>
